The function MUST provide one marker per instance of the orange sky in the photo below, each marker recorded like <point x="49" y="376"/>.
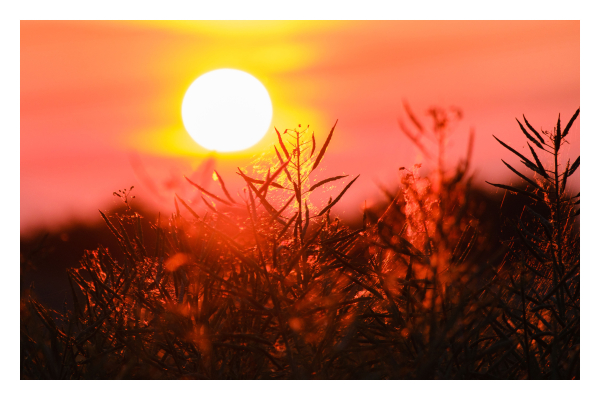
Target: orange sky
<point x="100" y="101"/>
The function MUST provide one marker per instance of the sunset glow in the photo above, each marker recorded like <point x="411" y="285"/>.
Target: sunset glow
<point x="101" y="101"/>
<point x="226" y="110"/>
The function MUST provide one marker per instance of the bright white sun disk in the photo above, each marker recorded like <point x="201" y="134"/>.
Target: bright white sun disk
<point x="226" y="110"/>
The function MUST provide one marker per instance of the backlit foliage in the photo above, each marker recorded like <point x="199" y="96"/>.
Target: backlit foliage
<point x="266" y="285"/>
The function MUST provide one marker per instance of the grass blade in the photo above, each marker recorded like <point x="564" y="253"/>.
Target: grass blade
<point x="522" y="176"/>
<point x="558" y="137"/>
<point x="206" y="192"/>
<point x="282" y="144"/>
<point x="529" y="136"/>
<point x="324" y="181"/>
<point x="574" y="167"/>
<point x="281" y="161"/>
<point x="564" y="178"/>
<point x="525" y="159"/>
<point x="222" y="183"/>
<point x="270" y="178"/>
<point x="210" y="206"/>
<point x="568" y="127"/>
<point x="270" y="209"/>
<point x="515" y="190"/>
<point x="323" y="211"/>
<point x="538" y="162"/>
<point x="260" y="181"/>
<point x="190" y="208"/>
<point x="324" y="148"/>
<point x="533" y="130"/>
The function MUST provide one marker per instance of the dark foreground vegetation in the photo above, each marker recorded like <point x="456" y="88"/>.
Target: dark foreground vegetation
<point x="266" y="285"/>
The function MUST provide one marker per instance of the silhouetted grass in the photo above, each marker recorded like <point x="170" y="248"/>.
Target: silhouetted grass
<point x="266" y="286"/>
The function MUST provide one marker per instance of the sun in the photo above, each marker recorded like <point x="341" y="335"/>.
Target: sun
<point x="226" y="110"/>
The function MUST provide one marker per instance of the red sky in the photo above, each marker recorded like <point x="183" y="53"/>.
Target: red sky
<point x="100" y="101"/>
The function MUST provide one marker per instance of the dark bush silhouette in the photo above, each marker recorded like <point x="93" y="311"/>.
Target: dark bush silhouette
<point x="269" y="286"/>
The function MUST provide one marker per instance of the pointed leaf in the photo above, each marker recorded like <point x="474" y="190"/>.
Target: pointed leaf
<point x="533" y="130"/>
<point x="574" y="167"/>
<point x="260" y="181"/>
<point x="558" y="136"/>
<point x="324" y="181"/>
<point x="189" y="208"/>
<point x="522" y="176"/>
<point x="281" y="144"/>
<point x="270" y="209"/>
<point x="323" y="211"/>
<point x="211" y="206"/>
<point x="278" y="155"/>
<point x="222" y="183"/>
<point x="314" y="145"/>
<point x="525" y="159"/>
<point x="206" y="192"/>
<point x="538" y="162"/>
<point x="529" y="136"/>
<point x="322" y="152"/>
<point x="564" y="178"/>
<point x="515" y="190"/>
<point x="532" y="167"/>
<point x="281" y="161"/>
<point x="270" y="178"/>
<point x="568" y="127"/>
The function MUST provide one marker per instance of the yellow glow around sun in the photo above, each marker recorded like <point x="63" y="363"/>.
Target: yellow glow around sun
<point x="226" y="110"/>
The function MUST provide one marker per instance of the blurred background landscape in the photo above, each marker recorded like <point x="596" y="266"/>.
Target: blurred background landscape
<point x="100" y="110"/>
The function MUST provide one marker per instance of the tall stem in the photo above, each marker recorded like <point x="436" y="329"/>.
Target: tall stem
<point x="299" y="186"/>
<point x="560" y="294"/>
<point x="557" y="212"/>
